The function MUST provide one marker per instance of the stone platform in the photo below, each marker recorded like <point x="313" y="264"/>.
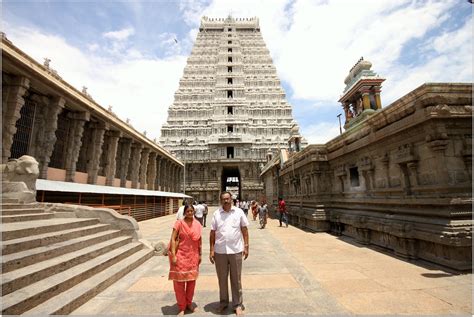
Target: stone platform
<point x="293" y="272"/>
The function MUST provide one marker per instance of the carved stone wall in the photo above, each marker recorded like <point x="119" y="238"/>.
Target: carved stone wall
<point x="400" y="180"/>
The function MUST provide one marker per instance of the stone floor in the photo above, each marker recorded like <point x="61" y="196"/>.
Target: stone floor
<point x="293" y="272"/>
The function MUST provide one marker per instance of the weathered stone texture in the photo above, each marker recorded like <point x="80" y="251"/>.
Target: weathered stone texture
<point x="399" y="179"/>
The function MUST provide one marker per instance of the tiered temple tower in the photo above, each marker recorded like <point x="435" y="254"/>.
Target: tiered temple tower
<point x="229" y="111"/>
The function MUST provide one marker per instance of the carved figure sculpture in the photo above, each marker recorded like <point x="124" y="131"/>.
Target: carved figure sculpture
<point x="25" y="169"/>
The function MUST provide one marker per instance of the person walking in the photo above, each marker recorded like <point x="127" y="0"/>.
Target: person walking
<point x="262" y="214"/>
<point x="206" y="210"/>
<point x="199" y="212"/>
<point x="254" y="209"/>
<point x="283" y="212"/>
<point x="245" y="207"/>
<point x="180" y="213"/>
<point x="229" y="243"/>
<point x="185" y="258"/>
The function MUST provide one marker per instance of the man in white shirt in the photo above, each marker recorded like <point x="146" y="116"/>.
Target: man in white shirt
<point x="199" y="212"/>
<point x="229" y="242"/>
<point x="180" y="213"/>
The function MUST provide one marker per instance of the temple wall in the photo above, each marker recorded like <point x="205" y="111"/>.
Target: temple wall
<point x="401" y="179"/>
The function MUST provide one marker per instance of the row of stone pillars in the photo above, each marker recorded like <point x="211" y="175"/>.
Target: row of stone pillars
<point x="104" y="149"/>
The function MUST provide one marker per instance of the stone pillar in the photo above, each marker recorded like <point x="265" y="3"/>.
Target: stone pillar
<point x="366" y="100"/>
<point x="110" y="161"/>
<point x="74" y="142"/>
<point x="126" y="149"/>
<point x="159" y="160"/>
<point x="12" y="102"/>
<point x="175" y="179"/>
<point x="94" y="151"/>
<point x="378" y="101"/>
<point x="135" y="167"/>
<point x="180" y="179"/>
<point x="164" y="179"/>
<point x="144" y="167"/>
<point x="151" y="171"/>
<point x="45" y="137"/>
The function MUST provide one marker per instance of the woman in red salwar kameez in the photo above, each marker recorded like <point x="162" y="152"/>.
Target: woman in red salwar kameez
<point x="184" y="265"/>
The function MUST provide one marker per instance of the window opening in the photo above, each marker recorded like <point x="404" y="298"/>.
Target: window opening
<point x="230" y="152"/>
<point x="230" y="110"/>
<point x="230" y="128"/>
<point x="230" y="94"/>
<point x="229" y="69"/>
<point x="229" y="81"/>
<point x="354" y="174"/>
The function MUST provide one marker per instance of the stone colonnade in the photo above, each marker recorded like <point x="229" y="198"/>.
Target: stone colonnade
<point x="63" y="136"/>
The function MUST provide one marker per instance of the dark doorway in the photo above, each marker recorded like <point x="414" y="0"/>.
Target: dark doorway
<point x="231" y="181"/>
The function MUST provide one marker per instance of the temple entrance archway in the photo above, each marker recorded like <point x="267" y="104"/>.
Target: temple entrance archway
<point x="231" y="181"/>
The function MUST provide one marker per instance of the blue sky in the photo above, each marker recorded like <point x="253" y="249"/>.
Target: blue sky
<point x="125" y="53"/>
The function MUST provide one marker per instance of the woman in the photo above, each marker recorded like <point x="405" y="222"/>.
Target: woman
<point x="184" y="263"/>
<point x="254" y="210"/>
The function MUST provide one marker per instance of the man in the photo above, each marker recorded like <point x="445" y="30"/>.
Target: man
<point x="229" y="242"/>
<point x="245" y="207"/>
<point x="282" y="210"/>
<point x="180" y="213"/>
<point x="205" y="213"/>
<point x="199" y="212"/>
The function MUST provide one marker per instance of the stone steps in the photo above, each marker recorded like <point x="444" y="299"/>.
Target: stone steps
<point x="20" y="278"/>
<point x="71" y="299"/>
<point x="48" y="238"/>
<point x="10" y="201"/>
<point x="17" y="230"/>
<point x="36" y="293"/>
<point x="56" y="262"/>
<point x="26" y="217"/>
<point x="33" y="255"/>
<point x="20" y="211"/>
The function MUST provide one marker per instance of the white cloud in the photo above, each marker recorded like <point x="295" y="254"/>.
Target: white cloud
<point x="140" y="89"/>
<point x="313" y="45"/>
<point x="320" y="133"/>
<point x="120" y="35"/>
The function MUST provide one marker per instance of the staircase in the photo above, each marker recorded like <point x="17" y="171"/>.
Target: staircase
<point x="53" y="265"/>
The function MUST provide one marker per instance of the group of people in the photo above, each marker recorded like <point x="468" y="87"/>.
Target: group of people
<point x="200" y="211"/>
<point x="229" y="246"/>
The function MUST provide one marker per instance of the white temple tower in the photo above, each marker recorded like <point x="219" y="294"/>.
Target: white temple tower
<point x="228" y="112"/>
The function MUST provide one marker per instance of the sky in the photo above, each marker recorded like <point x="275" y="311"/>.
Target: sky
<point x="126" y="55"/>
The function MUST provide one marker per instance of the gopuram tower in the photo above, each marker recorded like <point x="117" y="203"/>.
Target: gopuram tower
<point x="229" y="112"/>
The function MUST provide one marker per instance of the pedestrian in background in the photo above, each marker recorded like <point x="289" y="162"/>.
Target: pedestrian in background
<point x="206" y="210"/>
<point x="199" y="212"/>
<point x="283" y="211"/>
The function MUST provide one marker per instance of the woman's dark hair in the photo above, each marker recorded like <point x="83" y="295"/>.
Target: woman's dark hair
<point x="186" y="207"/>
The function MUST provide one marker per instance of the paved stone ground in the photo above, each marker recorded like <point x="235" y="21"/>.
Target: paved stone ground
<point x="293" y="272"/>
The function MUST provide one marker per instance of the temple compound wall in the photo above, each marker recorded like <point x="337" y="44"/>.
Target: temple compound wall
<point x="72" y="137"/>
<point x="399" y="179"/>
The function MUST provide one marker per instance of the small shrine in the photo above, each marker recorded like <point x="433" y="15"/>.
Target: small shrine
<point x="361" y="96"/>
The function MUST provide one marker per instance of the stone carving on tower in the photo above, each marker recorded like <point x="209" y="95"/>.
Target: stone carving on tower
<point x="361" y="96"/>
<point x="228" y="111"/>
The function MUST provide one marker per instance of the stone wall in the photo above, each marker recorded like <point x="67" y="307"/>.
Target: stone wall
<point x="400" y="179"/>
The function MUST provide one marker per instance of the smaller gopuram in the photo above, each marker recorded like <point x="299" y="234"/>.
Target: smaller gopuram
<point x="361" y="96"/>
